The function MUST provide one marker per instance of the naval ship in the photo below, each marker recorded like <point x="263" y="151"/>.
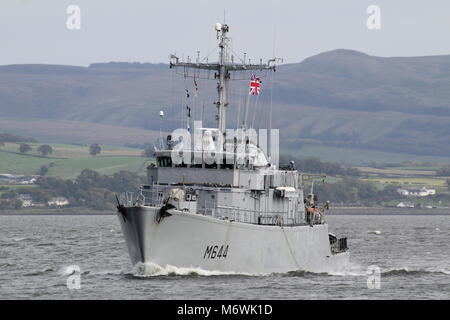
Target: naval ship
<point x="224" y="205"/>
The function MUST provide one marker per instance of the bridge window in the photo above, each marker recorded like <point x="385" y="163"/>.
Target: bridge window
<point x="164" y="161"/>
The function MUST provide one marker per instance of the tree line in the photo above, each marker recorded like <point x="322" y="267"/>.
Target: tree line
<point x="14" y="138"/>
<point x="443" y="172"/>
<point x="353" y="191"/>
<point x="46" y="149"/>
<point x="90" y="189"/>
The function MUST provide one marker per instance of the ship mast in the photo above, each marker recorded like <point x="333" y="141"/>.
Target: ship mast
<point x="222" y="71"/>
<point x="224" y="76"/>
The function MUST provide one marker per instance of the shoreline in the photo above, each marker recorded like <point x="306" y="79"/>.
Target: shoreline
<point x="56" y="212"/>
<point x="382" y="211"/>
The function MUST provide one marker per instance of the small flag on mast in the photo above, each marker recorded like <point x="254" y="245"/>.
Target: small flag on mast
<point x="255" y="83"/>
<point x="196" y="88"/>
<point x="188" y="111"/>
<point x="188" y="118"/>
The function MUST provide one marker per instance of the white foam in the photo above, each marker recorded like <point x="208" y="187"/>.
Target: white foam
<point x="374" y="232"/>
<point x="438" y="270"/>
<point x="352" y="269"/>
<point x="106" y="272"/>
<point x="414" y="270"/>
<point x="68" y="270"/>
<point x="149" y="269"/>
<point x="153" y="270"/>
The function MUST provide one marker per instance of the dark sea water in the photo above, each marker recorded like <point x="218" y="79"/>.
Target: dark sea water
<point x="36" y="252"/>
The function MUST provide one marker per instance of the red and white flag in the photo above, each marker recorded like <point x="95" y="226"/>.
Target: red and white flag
<point x="255" y="84"/>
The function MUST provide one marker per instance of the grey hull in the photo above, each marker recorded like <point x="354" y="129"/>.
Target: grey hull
<point x="187" y="240"/>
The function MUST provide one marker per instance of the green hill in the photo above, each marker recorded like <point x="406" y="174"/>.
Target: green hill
<point x="338" y="99"/>
<point x="67" y="161"/>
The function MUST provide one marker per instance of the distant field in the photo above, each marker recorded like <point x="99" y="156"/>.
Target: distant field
<point x="73" y="151"/>
<point x="360" y="157"/>
<point x="59" y="131"/>
<point x="67" y="161"/>
<point x="411" y="181"/>
<point x="419" y="168"/>
<point x="71" y="168"/>
<point x="10" y="187"/>
<point x="397" y="171"/>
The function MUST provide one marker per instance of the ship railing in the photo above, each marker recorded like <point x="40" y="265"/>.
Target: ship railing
<point x="151" y="197"/>
<point x="255" y="217"/>
<point x="127" y="198"/>
<point x="143" y="197"/>
<point x="236" y="214"/>
<point x="155" y="197"/>
<point x="319" y="216"/>
<point x="316" y="217"/>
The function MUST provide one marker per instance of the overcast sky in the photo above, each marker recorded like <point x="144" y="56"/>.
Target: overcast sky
<point x="35" y="31"/>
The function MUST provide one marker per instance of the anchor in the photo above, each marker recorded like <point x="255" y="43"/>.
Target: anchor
<point x="163" y="212"/>
<point x="121" y="208"/>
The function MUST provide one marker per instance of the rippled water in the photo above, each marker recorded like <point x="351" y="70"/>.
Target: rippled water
<point x="36" y="253"/>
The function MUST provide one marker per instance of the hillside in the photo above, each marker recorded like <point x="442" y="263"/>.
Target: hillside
<point x="341" y="98"/>
<point x="66" y="131"/>
<point x="67" y="161"/>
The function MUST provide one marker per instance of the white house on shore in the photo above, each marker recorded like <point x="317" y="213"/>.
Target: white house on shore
<point x="405" y="205"/>
<point x="417" y="192"/>
<point x="58" y="202"/>
<point x="6" y="178"/>
<point x="26" y="200"/>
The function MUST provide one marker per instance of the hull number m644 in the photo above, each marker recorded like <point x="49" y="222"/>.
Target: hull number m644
<point x="216" y="252"/>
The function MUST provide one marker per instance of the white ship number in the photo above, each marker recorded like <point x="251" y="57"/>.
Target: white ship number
<point x="213" y="252"/>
